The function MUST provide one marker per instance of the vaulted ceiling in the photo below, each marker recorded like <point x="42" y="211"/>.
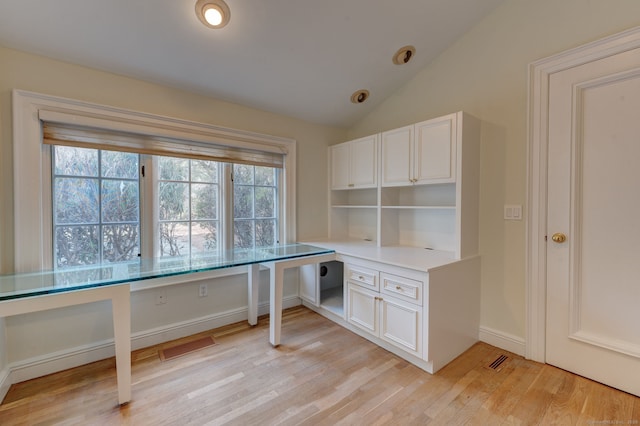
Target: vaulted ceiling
<point x="300" y="58"/>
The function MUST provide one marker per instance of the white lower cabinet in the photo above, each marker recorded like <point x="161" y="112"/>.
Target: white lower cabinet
<point x="401" y="324"/>
<point x="389" y="318"/>
<point x="362" y="308"/>
<point x="422" y="305"/>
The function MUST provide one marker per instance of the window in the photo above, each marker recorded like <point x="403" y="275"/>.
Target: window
<point x="96" y="211"/>
<point x="110" y="128"/>
<point x="255" y="212"/>
<point x="188" y="199"/>
<point x="97" y="206"/>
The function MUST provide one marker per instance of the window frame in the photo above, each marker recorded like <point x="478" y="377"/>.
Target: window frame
<point x="100" y="178"/>
<point x="32" y="161"/>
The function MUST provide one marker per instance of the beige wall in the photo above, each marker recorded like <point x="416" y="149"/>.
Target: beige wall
<point x="485" y="74"/>
<point x="38" y="74"/>
<point x="36" y="335"/>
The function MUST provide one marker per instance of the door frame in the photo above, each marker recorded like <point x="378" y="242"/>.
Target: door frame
<point x="537" y="143"/>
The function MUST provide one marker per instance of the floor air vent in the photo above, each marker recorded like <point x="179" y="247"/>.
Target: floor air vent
<point x="497" y="363"/>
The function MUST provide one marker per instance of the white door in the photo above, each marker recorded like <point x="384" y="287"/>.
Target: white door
<point x="593" y="277"/>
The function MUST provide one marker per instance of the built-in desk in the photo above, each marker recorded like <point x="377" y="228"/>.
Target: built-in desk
<point x="38" y="291"/>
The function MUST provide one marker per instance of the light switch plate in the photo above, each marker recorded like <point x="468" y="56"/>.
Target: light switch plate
<point x="513" y="212"/>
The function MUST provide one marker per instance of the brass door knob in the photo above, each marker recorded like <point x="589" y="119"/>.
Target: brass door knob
<point x="559" y="237"/>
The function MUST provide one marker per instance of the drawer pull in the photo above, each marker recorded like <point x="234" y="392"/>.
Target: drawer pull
<point x="360" y="277"/>
<point x="398" y="288"/>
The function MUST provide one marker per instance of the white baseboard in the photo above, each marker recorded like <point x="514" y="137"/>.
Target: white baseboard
<point x="73" y="357"/>
<point x="5" y="382"/>
<point x="502" y="340"/>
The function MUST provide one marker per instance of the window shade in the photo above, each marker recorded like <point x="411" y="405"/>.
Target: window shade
<point x="60" y="128"/>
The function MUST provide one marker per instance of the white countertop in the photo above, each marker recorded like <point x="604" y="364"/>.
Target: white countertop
<point x="415" y="258"/>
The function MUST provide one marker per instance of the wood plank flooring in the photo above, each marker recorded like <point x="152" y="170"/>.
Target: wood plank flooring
<point x="322" y="374"/>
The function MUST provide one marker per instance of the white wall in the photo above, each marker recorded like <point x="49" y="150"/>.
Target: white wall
<point x="485" y="74"/>
<point x="36" y="337"/>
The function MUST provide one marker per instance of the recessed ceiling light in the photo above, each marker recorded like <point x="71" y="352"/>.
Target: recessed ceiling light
<point x="359" y="96"/>
<point x="404" y="55"/>
<point x="213" y="13"/>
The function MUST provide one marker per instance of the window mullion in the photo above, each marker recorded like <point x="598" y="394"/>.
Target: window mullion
<point x="100" y="209"/>
<point x="227" y="222"/>
<point x="149" y="231"/>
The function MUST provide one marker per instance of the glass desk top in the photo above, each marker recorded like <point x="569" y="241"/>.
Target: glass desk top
<point x="77" y="278"/>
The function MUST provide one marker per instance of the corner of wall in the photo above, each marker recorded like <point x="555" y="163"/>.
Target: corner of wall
<point x="5" y="379"/>
<point x="502" y="340"/>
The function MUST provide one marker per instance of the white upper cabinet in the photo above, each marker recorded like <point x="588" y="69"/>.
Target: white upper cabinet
<point x="340" y="167"/>
<point x="420" y="153"/>
<point x="397" y="167"/>
<point x="354" y="164"/>
<point x="434" y="155"/>
<point x="428" y="191"/>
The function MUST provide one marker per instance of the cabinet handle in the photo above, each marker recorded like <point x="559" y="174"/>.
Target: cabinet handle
<point x="360" y="277"/>
<point x="351" y="185"/>
<point x="398" y="288"/>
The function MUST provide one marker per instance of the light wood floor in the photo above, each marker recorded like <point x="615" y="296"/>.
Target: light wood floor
<point x="321" y="374"/>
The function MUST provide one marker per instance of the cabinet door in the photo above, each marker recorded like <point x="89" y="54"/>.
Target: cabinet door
<point x="309" y="285"/>
<point x="396" y="156"/>
<point x="362" y="308"/>
<point x="364" y="162"/>
<point x="435" y="150"/>
<point x="400" y="324"/>
<point x="340" y="166"/>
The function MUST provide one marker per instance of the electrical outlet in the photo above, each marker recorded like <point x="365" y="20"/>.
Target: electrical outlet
<point x="161" y="297"/>
<point x="204" y="290"/>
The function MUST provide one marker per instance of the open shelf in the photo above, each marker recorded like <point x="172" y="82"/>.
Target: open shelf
<point x="419" y="196"/>
<point x="332" y="299"/>
<point x="355" y="198"/>
<point x="419" y="207"/>
<point x="354" y="223"/>
<point x="346" y="206"/>
<point x="428" y="228"/>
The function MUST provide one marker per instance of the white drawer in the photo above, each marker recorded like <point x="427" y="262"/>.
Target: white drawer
<point x="401" y="287"/>
<point x="365" y="277"/>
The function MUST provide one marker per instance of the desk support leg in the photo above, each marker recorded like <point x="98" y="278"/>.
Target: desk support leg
<point x="253" y="279"/>
<point x="276" y="277"/>
<point x="121" y="306"/>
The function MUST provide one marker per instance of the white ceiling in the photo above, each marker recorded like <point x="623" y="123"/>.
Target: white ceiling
<point x="300" y="58"/>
